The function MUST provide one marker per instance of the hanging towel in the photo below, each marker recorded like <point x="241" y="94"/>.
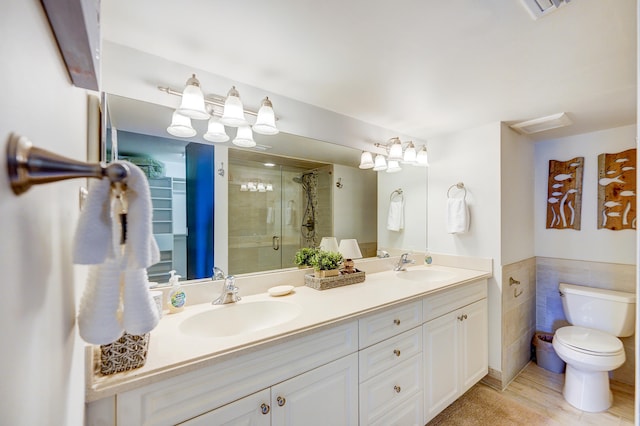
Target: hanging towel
<point x="457" y="216"/>
<point x="92" y="240"/>
<point x="270" y="215"/>
<point x="288" y="215"/>
<point x="395" y="221"/>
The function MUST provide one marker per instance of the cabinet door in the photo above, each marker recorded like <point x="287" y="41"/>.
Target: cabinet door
<point x="327" y="395"/>
<point x="441" y="363"/>
<point x="474" y="344"/>
<point x="253" y="410"/>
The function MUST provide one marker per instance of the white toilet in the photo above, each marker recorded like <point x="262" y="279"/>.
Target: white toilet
<point x="589" y="346"/>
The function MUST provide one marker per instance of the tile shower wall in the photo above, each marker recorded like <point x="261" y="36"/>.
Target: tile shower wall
<point x="518" y="316"/>
<point x="549" y="314"/>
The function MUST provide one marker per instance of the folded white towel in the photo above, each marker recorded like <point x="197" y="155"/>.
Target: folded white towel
<point x="98" y="318"/>
<point x="92" y="240"/>
<point x="457" y="216"/>
<point x="395" y="220"/>
<point x="140" y="313"/>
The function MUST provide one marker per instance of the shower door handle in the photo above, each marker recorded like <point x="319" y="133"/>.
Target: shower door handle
<point x="275" y="242"/>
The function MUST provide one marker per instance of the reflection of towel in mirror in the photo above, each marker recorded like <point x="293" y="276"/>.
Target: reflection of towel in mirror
<point x="457" y="216"/>
<point x="395" y="221"/>
<point x="288" y="215"/>
<point x="270" y="214"/>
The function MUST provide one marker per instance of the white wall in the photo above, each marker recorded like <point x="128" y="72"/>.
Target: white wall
<point x="589" y="243"/>
<point x="42" y="357"/>
<point x="471" y="157"/>
<point x="354" y="204"/>
<point x="413" y="182"/>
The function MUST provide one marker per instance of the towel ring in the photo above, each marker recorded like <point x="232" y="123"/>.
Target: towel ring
<point x="458" y="185"/>
<point x="397" y="192"/>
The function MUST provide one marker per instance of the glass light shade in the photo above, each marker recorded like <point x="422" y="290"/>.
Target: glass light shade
<point x="422" y="159"/>
<point x="395" y="152"/>
<point x="215" y="131"/>
<point x="409" y="156"/>
<point x="329" y="244"/>
<point x="393" y="166"/>
<point x="192" y="104"/>
<point x="366" y="160"/>
<point x="181" y="126"/>
<point x="349" y="249"/>
<point x="244" y="137"/>
<point x="233" y="114"/>
<point x="269" y="187"/>
<point x="252" y="187"/>
<point x="262" y="187"/>
<point x="266" y="120"/>
<point x="244" y="187"/>
<point x="380" y="163"/>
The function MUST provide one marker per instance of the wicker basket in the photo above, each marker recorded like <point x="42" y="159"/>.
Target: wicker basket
<point x="333" y="282"/>
<point x="124" y="354"/>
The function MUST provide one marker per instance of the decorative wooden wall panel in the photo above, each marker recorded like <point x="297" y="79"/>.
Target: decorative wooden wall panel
<point x="564" y="195"/>
<point x="617" y="190"/>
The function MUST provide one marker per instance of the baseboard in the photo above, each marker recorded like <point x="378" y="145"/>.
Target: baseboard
<point x="493" y="379"/>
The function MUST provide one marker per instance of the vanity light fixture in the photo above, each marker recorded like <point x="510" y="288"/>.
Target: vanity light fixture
<point x="244" y="137"/>
<point x="220" y="111"/>
<point x="396" y="154"/>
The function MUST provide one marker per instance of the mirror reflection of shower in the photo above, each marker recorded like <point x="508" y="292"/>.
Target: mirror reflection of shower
<point x="309" y="182"/>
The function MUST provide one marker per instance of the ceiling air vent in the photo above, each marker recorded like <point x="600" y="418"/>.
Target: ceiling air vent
<point x="539" y="8"/>
<point x="541" y="124"/>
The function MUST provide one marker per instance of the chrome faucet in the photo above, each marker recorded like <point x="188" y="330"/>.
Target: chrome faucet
<point x="400" y="266"/>
<point x="229" y="292"/>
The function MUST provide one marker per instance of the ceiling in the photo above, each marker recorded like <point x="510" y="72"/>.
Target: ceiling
<point x="420" y="67"/>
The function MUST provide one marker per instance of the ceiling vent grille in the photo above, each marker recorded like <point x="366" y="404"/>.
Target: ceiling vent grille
<point x="539" y="8"/>
<point x="541" y="124"/>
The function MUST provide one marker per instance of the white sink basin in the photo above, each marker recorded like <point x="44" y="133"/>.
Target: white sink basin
<point x="238" y="318"/>
<point x="424" y="275"/>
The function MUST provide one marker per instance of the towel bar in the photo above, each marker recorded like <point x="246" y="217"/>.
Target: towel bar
<point x="458" y="185"/>
<point x="398" y="192"/>
<point x="28" y="165"/>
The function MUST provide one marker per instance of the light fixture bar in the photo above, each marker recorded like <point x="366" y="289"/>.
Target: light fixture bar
<point x="215" y="100"/>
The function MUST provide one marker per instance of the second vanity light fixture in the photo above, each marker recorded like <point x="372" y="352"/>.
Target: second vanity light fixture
<point x="230" y="111"/>
<point x="396" y="154"/>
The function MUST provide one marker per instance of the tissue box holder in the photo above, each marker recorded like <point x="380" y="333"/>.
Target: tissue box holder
<point x="127" y="353"/>
<point x="317" y="283"/>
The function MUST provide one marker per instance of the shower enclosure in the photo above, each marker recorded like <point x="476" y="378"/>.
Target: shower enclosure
<point x="274" y="210"/>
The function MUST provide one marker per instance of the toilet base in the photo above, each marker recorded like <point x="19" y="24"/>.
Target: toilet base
<point x="587" y="390"/>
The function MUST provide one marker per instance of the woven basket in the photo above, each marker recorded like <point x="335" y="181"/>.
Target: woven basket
<point x="124" y="354"/>
<point x="333" y="282"/>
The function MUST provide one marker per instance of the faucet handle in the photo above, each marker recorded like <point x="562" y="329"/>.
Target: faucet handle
<point x="218" y="274"/>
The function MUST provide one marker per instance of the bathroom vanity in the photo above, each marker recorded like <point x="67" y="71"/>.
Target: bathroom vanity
<point x="396" y="349"/>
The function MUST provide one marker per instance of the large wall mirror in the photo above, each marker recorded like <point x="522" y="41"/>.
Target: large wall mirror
<point x="287" y="192"/>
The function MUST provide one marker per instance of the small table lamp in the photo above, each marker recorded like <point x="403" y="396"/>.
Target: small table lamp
<point x="350" y="250"/>
<point x="329" y="244"/>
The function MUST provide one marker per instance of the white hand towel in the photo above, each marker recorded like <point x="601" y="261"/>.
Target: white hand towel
<point x="457" y="216"/>
<point x="140" y="313"/>
<point x="270" y="215"/>
<point x="395" y="220"/>
<point x="92" y="240"/>
<point x="98" y="320"/>
<point x="288" y="215"/>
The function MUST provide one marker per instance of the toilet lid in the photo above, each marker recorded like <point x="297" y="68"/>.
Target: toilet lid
<point x="588" y="340"/>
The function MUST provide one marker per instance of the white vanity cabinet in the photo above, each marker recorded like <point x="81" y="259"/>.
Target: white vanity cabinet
<point x="391" y="366"/>
<point x="455" y="339"/>
<point x="327" y="395"/>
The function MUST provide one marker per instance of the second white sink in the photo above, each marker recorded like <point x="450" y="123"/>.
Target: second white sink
<point x="424" y="275"/>
<point x="238" y="318"/>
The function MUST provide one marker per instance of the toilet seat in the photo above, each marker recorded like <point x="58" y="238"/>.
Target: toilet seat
<point x="589" y="341"/>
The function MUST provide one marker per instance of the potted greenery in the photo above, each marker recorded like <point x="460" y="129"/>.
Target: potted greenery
<point x="303" y="256"/>
<point x="326" y="263"/>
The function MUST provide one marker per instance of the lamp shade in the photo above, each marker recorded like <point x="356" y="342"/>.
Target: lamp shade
<point x="329" y="244"/>
<point x="349" y="249"/>
<point x="233" y="114"/>
<point x="422" y="159"/>
<point x="192" y="104"/>
<point x="393" y="166"/>
<point x="244" y="137"/>
<point x="215" y="131"/>
<point x="409" y="156"/>
<point x="395" y="151"/>
<point x="266" y="120"/>
<point x="380" y="163"/>
<point x="366" y="160"/>
<point x="181" y="126"/>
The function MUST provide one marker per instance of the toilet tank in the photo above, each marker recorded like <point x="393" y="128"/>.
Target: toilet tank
<point x="608" y="310"/>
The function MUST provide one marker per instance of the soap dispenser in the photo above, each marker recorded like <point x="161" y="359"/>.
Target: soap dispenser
<point x="428" y="260"/>
<point x="177" y="297"/>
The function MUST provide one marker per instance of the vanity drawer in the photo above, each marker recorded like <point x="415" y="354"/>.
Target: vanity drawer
<point x="387" y="354"/>
<point x="381" y="394"/>
<point x="378" y="327"/>
<point x="450" y="300"/>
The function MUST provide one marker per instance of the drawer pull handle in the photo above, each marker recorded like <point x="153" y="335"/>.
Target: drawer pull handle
<point x="281" y="401"/>
<point x="396" y="321"/>
<point x="396" y="352"/>
<point x="462" y="317"/>
<point x="397" y="388"/>
<point x="265" y="408"/>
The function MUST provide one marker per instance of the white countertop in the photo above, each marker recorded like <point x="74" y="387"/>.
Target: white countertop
<point x="172" y="352"/>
